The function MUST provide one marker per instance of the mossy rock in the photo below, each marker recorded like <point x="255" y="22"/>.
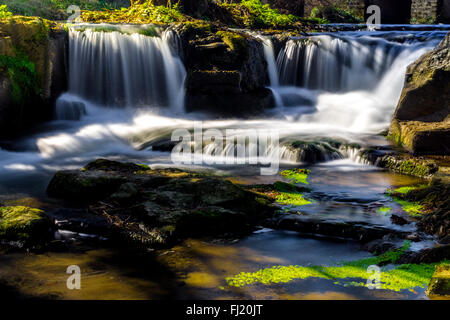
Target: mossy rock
<point x="23" y="224"/>
<point x="82" y="187"/>
<point x="235" y="41"/>
<point x="439" y="286"/>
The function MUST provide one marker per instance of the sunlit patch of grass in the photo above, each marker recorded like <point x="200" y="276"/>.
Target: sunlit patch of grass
<point x="405" y="190"/>
<point x="405" y="276"/>
<point x="414" y="209"/>
<point x="294" y="199"/>
<point x="297" y="175"/>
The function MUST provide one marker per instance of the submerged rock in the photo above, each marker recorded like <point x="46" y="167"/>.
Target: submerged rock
<point x="359" y="231"/>
<point x="157" y="207"/>
<point x="421" y="122"/>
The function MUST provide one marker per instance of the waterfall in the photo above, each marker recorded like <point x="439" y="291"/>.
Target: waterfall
<point x="334" y="63"/>
<point x="341" y="63"/>
<point x="112" y="68"/>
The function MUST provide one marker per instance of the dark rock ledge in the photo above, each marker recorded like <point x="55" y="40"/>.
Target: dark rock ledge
<point x="157" y="207"/>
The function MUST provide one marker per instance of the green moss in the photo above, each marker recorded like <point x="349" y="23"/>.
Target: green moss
<point x="235" y="41"/>
<point x="254" y="14"/>
<point x="57" y="9"/>
<point x="4" y="12"/>
<point x="384" y="210"/>
<point x="144" y="166"/>
<point x="145" y="12"/>
<point x="413" y="167"/>
<point x="294" y="199"/>
<point x="297" y="175"/>
<point x="414" y="209"/>
<point x="21" y="223"/>
<point x="332" y="14"/>
<point x="197" y="27"/>
<point x="405" y="190"/>
<point x="406" y="276"/>
<point x="23" y="76"/>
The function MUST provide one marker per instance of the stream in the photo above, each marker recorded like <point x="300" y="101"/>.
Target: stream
<point x="330" y="87"/>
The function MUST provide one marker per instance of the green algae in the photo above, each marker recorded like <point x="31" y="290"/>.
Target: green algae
<point x="21" y="223"/>
<point x="235" y="41"/>
<point x="4" y="12"/>
<point x="384" y="210"/>
<point x="297" y="175"/>
<point x="405" y="190"/>
<point x="294" y="199"/>
<point x="414" y="209"/>
<point x="401" y="277"/>
<point x="23" y="76"/>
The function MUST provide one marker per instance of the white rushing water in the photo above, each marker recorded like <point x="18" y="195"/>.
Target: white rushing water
<point x="132" y="70"/>
<point x="127" y="90"/>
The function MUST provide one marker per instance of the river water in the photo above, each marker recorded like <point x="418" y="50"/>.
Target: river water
<point x="126" y="91"/>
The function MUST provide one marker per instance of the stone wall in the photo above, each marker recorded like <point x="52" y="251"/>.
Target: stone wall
<point x="426" y="11"/>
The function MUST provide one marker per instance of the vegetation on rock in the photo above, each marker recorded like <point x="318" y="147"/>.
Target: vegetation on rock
<point x="145" y="12"/>
<point x="57" y="9"/>
<point x="23" y="76"/>
<point x="23" y="223"/>
<point x="332" y="14"/>
<point x="4" y="12"/>
<point x="297" y="175"/>
<point x="353" y="273"/>
<point x="158" y="206"/>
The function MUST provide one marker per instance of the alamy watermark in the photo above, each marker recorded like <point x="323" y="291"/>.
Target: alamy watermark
<point x="74" y="280"/>
<point x="374" y="20"/>
<point x="374" y="280"/>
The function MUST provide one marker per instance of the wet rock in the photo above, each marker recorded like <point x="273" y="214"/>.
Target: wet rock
<point x="445" y="240"/>
<point x="156" y="207"/>
<point x="126" y="193"/>
<point x="227" y="74"/>
<point x="435" y="199"/>
<point x="24" y="224"/>
<point x="415" y="237"/>
<point x="88" y="186"/>
<point x="42" y="44"/>
<point x="420" y="122"/>
<point x="398" y="220"/>
<point x="439" y="286"/>
<point x="414" y="166"/>
<point x="429" y="255"/>
<point x="379" y="246"/>
<point x="313" y="151"/>
<point x="358" y="231"/>
<point x="80" y="221"/>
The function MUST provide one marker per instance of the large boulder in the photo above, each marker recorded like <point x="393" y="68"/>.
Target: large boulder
<point x="439" y="287"/>
<point x="24" y="224"/>
<point x="421" y="122"/>
<point x="32" y="71"/>
<point x="156" y="207"/>
<point x="227" y="74"/>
